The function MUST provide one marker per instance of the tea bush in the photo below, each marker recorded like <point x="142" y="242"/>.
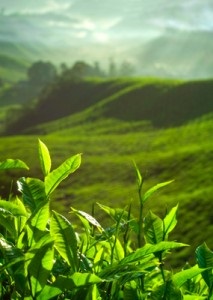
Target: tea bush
<point x="45" y="256"/>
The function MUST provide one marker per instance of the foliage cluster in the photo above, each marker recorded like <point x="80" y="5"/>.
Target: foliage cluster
<point x="44" y="256"/>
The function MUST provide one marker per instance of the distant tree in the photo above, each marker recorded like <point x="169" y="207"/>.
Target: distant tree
<point x="63" y="68"/>
<point x="97" y="70"/>
<point x="81" y="69"/>
<point x="126" y="68"/>
<point x="41" y="73"/>
<point x="112" y="69"/>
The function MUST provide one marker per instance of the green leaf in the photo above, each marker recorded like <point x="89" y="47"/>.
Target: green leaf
<point x="181" y="277"/>
<point x="44" y="158"/>
<point x="12" y="262"/>
<point x="84" y="221"/>
<point x="118" y="249"/>
<point x="18" y="273"/>
<point x="65" y="240"/>
<point x="40" y="267"/>
<point x="154" y="189"/>
<point x="12" y="216"/>
<point x="9" y="251"/>
<point x="37" y="223"/>
<point x="7" y="221"/>
<point x="166" y="291"/>
<point x="204" y="258"/>
<point x="76" y="280"/>
<point x="117" y="271"/>
<point x="33" y="192"/>
<point x="53" y="179"/>
<point x="13" y="208"/>
<point x="153" y="228"/>
<point x="148" y="249"/>
<point x="131" y="291"/>
<point x="40" y="217"/>
<point x="93" y="293"/>
<point x="138" y="176"/>
<point x="170" y="221"/>
<point x="49" y="292"/>
<point x="195" y="297"/>
<point x="13" y="164"/>
<point x="46" y="239"/>
<point x="115" y="213"/>
<point x="97" y="262"/>
<point x="89" y="218"/>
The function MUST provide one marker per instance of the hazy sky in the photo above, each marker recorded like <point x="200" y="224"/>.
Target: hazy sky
<point x="109" y="28"/>
<point x="102" y="19"/>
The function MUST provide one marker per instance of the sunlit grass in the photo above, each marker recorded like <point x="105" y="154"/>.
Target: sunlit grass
<point x="107" y="173"/>
<point x="110" y="140"/>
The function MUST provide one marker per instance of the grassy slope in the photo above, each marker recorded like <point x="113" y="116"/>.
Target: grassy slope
<point x="163" y="103"/>
<point x="15" y="58"/>
<point x="66" y="98"/>
<point x="182" y="153"/>
<point x="12" y="69"/>
<point x="107" y="174"/>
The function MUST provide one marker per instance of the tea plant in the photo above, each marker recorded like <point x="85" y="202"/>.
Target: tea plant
<point x="45" y="256"/>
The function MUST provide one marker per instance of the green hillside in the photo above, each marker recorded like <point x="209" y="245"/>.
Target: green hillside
<point x="12" y="69"/>
<point x="159" y="102"/>
<point x="15" y="58"/>
<point x="164" y="126"/>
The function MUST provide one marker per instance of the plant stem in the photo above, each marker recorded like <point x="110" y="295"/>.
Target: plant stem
<point x="126" y="236"/>
<point x="140" y="221"/>
<point x="163" y="275"/>
<point x="210" y="292"/>
<point x="116" y="237"/>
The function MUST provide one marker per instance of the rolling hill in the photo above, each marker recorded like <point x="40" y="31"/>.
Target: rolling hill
<point x="162" y="103"/>
<point x="165" y="126"/>
<point x="15" y="58"/>
<point x="12" y="70"/>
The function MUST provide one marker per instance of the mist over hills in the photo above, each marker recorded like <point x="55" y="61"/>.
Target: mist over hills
<point x="179" y="54"/>
<point x="159" y="38"/>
